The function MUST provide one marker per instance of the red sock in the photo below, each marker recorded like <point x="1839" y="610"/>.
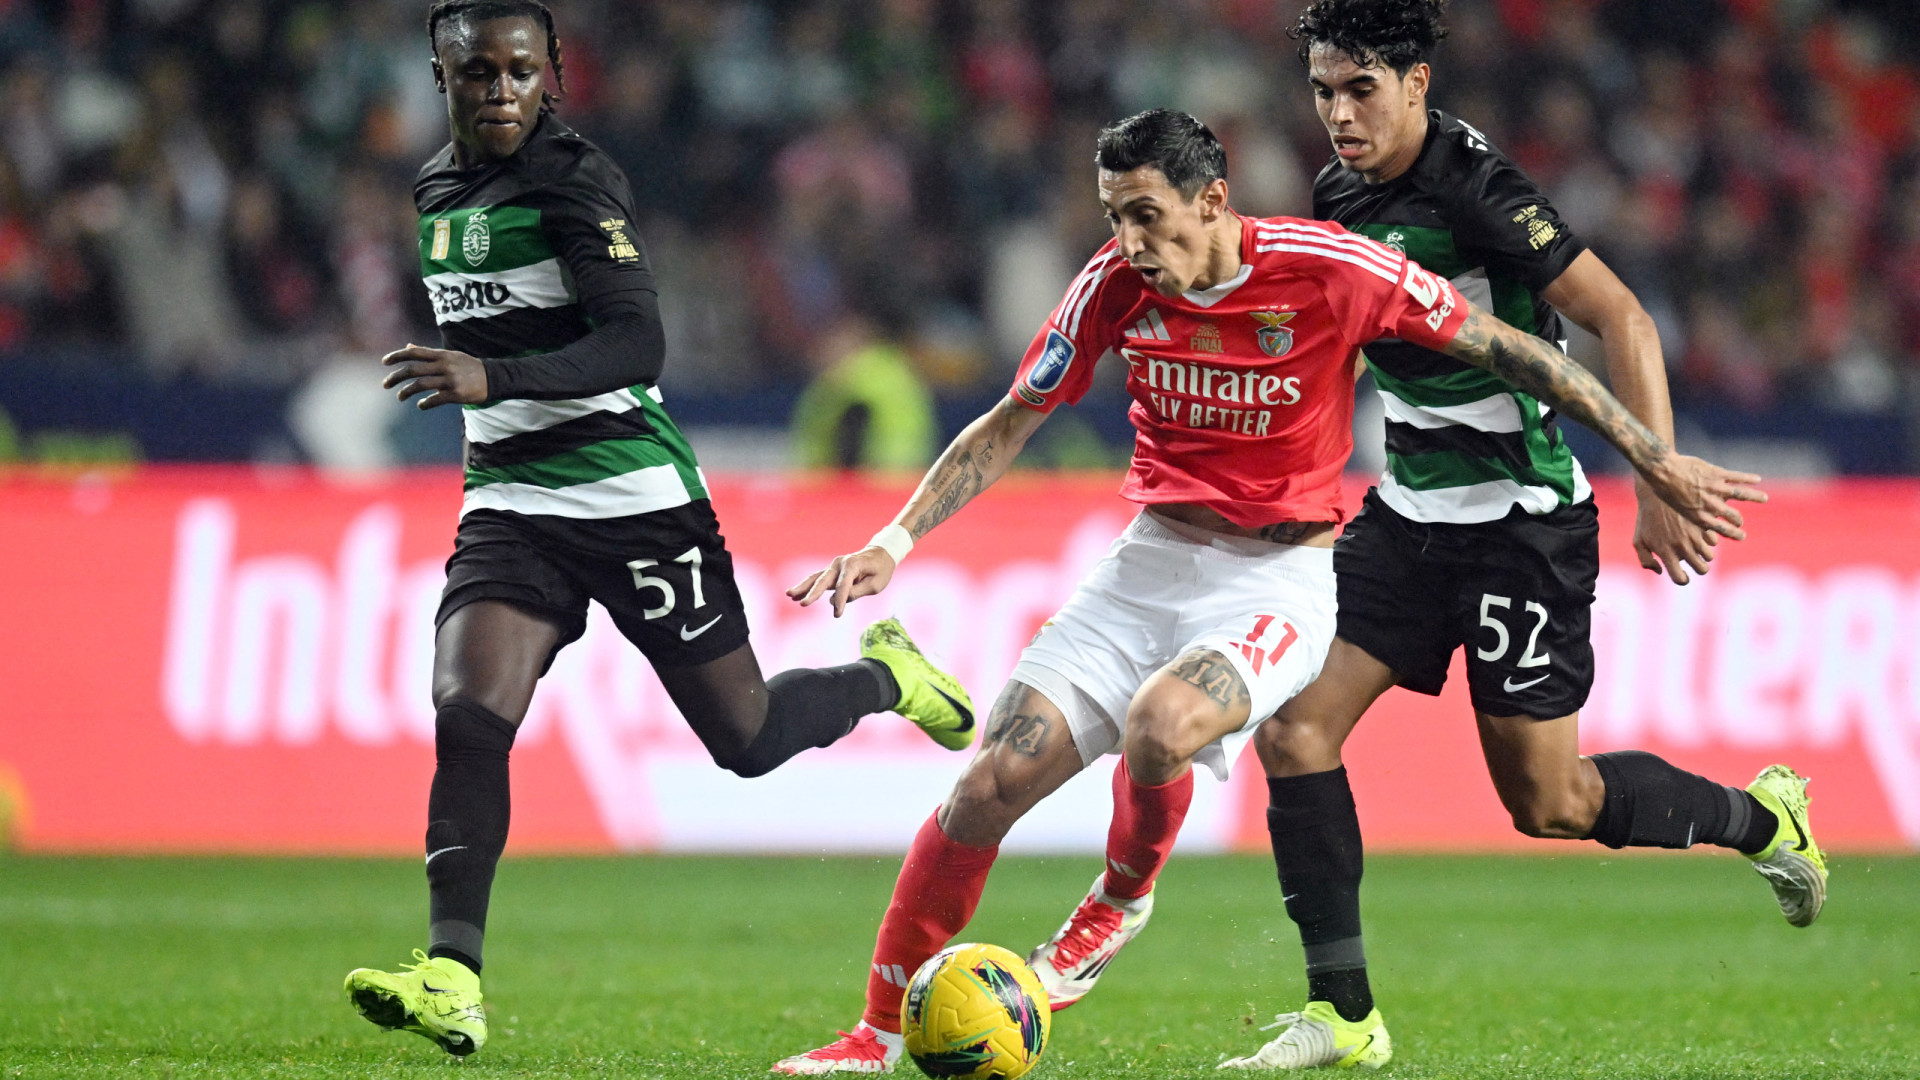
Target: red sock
<point x="1145" y="822"/>
<point x="939" y="886"/>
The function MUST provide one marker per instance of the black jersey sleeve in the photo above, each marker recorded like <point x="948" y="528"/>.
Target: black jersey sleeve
<point x="588" y="218"/>
<point x="1504" y="222"/>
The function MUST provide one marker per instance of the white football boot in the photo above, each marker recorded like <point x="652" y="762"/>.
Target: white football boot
<point x="865" y="1049"/>
<point x="1316" y="1036"/>
<point x="1072" y="961"/>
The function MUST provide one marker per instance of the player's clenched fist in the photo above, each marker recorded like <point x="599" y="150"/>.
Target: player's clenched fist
<point x="847" y="578"/>
<point x="447" y="377"/>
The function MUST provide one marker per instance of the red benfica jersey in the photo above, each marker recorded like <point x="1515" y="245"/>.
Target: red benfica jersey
<point x="1242" y="394"/>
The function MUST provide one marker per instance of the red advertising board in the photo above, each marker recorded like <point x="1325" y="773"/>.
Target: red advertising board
<point x="228" y="659"/>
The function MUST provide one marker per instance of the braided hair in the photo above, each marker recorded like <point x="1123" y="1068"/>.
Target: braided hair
<point x="477" y="10"/>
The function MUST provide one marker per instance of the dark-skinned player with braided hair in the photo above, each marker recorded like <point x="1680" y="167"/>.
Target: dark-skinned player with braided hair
<point x="578" y="486"/>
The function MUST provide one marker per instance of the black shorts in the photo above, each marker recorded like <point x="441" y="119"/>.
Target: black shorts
<point x="666" y="577"/>
<point x="1517" y="593"/>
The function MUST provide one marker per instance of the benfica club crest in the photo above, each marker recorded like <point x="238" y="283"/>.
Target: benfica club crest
<point x="474" y="241"/>
<point x="1275" y="338"/>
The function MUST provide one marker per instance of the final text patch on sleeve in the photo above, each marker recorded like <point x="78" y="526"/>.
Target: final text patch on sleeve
<point x="621" y="246"/>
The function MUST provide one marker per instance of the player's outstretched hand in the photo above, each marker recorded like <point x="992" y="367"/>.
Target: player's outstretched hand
<point x="846" y="579"/>
<point x="1668" y="543"/>
<point x="1703" y="493"/>
<point x="445" y="376"/>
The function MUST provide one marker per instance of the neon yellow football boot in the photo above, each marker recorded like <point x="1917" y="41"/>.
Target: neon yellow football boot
<point x="1316" y="1036"/>
<point x="1793" y="864"/>
<point x="437" y="998"/>
<point x="929" y="697"/>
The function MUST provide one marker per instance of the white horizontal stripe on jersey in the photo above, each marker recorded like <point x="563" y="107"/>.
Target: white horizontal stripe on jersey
<point x="642" y="491"/>
<point x="1496" y="412"/>
<point x="1475" y="287"/>
<point x="1368" y="265"/>
<point x="1469" y="504"/>
<point x="517" y="417"/>
<point x="1359" y="245"/>
<point x="1472" y="504"/>
<point x="458" y="297"/>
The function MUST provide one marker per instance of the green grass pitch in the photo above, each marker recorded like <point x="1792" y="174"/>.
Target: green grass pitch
<point x="1661" y="965"/>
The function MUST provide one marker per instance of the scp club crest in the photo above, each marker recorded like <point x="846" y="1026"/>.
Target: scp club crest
<point x="474" y="240"/>
<point x="1275" y="339"/>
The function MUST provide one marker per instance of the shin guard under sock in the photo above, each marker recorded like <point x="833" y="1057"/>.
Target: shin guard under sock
<point x="939" y="886"/>
<point x="1650" y="803"/>
<point x="1316" y="849"/>
<point x="813" y="707"/>
<point x="467" y="812"/>
<point x="1145" y="822"/>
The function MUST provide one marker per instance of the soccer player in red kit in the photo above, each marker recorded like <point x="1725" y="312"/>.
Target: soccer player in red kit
<point x="1216" y="604"/>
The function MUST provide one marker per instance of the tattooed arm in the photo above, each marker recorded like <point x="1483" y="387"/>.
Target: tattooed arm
<point x="970" y="464"/>
<point x="1700" y="491"/>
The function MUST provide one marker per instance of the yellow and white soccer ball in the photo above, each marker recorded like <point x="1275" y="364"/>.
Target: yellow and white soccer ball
<point x="975" y="1011"/>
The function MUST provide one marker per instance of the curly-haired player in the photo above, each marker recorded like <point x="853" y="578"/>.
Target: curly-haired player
<point x="578" y="487"/>
<point x="1481" y="535"/>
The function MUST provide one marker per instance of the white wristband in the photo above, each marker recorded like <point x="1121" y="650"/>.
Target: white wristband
<point x="893" y="540"/>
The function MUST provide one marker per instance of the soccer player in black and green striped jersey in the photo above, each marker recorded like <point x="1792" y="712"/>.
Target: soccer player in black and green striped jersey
<point x="1481" y="535"/>
<point x="578" y="487"/>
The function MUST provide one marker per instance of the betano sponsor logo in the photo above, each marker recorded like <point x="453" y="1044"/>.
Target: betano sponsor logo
<point x="451" y="298"/>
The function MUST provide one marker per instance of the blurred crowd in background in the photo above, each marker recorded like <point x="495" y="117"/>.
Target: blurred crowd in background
<point x="205" y="205"/>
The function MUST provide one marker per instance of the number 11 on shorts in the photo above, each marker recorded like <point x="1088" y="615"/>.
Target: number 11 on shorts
<point x="1258" y="656"/>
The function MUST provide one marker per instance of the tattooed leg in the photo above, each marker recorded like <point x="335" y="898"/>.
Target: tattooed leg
<point x="1026" y="753"/>
<point x="1182" y="708"/>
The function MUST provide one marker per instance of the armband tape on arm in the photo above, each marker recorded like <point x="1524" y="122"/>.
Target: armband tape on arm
<point x="893" y="540"/>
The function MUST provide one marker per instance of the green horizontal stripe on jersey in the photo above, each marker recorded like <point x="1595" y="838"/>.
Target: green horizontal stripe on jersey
<point x="1452" y="468"/>
<point x="587" y="464"/>
<point x="1435" y="250"/>
<point x="1463" y="387"/>
<point x="513" y="239"/>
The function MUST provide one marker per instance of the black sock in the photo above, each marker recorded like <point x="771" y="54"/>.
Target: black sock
<point x="1316" y="848"/>
<point x="1650" y="803"/>
<point x="467" y="812"/>
<point x="812" y="707"/>
<point x="1750" y="832"/>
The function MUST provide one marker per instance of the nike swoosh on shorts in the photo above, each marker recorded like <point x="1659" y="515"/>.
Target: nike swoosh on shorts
<point x="1509" y="687"/>
<point x="686" y="636"/>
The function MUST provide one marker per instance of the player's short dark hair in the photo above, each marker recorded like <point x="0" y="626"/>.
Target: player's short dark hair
<point x="1394" y="33"/>
<point x="1181" y="147"/>
<point x="480" y="10"/>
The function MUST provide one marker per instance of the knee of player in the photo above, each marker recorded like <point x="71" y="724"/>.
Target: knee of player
<point x="996" y="783"/>
<point x="1163" y="737"/>
<point x="1552" y="816"/>
<point x="1287" y="743"/>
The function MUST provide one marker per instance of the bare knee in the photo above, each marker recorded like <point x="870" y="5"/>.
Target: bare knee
<point x="997" y="788"/>
<point x="1162" y="740"/>
<point x="1291" y="745"/>
<point x="1559" y="814"/>
<point x="498" y="700"/>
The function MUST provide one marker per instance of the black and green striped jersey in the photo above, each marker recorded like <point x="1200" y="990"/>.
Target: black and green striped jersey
<point x="1462" y="444"/>
<point x="523" y="258"/>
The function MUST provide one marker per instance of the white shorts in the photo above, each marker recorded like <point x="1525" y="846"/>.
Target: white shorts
<point x="1165" y="588"/>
